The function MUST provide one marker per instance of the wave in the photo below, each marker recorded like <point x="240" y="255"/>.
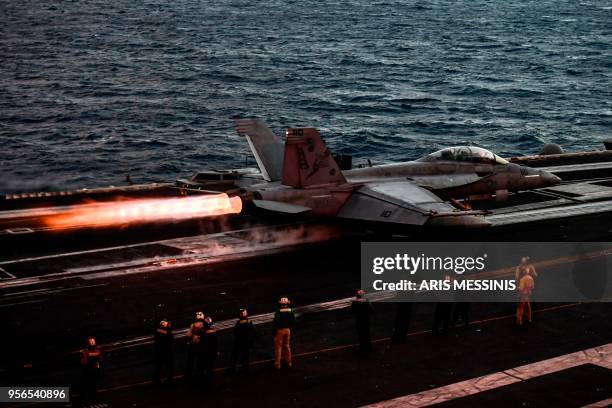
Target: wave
<point x="154" y="90"/>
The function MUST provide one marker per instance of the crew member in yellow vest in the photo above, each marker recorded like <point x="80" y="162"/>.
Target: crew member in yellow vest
<point x="284" y="320"/>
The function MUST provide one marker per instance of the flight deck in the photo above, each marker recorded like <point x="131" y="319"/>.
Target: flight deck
<point x="56" y="290"/>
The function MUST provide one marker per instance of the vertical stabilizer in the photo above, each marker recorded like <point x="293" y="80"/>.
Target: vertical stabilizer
<point x="308" y="161"/>
<point x="266" y="147"/>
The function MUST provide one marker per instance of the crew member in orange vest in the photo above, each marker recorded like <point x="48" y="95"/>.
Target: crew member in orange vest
<point x="526" y="286"/>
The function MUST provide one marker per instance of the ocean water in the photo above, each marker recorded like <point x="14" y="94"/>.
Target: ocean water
<point x="92" y="90"/>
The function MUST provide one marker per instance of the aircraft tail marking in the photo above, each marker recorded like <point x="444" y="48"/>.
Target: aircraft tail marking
<point x="308" y="161"/>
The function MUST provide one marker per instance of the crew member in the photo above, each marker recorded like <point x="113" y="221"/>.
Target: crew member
<point x="91" y="358"/>
<point x="362" y="309"/>
<point x="401" y="325"/>
<point x="284" y="320"/>
<point x="210" y="346"/>
<point x="525" y="268"/>
<point x="461" y="311"/>
<point x="244" y="333"/>
<point x="442" y="315"/>
<point x="526" y="286"/>
<point x="164" y="356"/>
<point x="194" y="347"/>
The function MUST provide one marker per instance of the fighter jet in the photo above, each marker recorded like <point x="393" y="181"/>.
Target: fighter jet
<point x="303" y="177"/>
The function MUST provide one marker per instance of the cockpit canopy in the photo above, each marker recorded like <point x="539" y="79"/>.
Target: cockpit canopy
<point x="469" y="154"/>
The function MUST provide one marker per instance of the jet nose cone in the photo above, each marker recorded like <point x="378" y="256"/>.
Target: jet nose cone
<point x="549" y="179"/>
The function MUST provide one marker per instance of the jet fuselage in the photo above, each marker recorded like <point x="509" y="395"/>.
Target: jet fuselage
<point x="445" y="178"/>
<point x="452" y="179"/>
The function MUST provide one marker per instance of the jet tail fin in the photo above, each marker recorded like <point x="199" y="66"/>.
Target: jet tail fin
<point x="265" y="145"/>
<point x="308" y="161"/>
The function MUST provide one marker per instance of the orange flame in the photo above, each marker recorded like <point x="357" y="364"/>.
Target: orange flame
<point x="143" y="211"/>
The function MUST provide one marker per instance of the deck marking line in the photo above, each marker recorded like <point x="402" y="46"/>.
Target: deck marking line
<point x="600" y="355"/>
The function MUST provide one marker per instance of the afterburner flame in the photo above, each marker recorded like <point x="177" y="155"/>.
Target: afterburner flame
<point x="143" y="211"/>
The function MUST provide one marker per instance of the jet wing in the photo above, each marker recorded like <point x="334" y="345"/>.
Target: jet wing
<point x="404" y="202"/>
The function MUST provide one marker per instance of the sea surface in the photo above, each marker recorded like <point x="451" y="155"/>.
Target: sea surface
<point x="92" y="90"/>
